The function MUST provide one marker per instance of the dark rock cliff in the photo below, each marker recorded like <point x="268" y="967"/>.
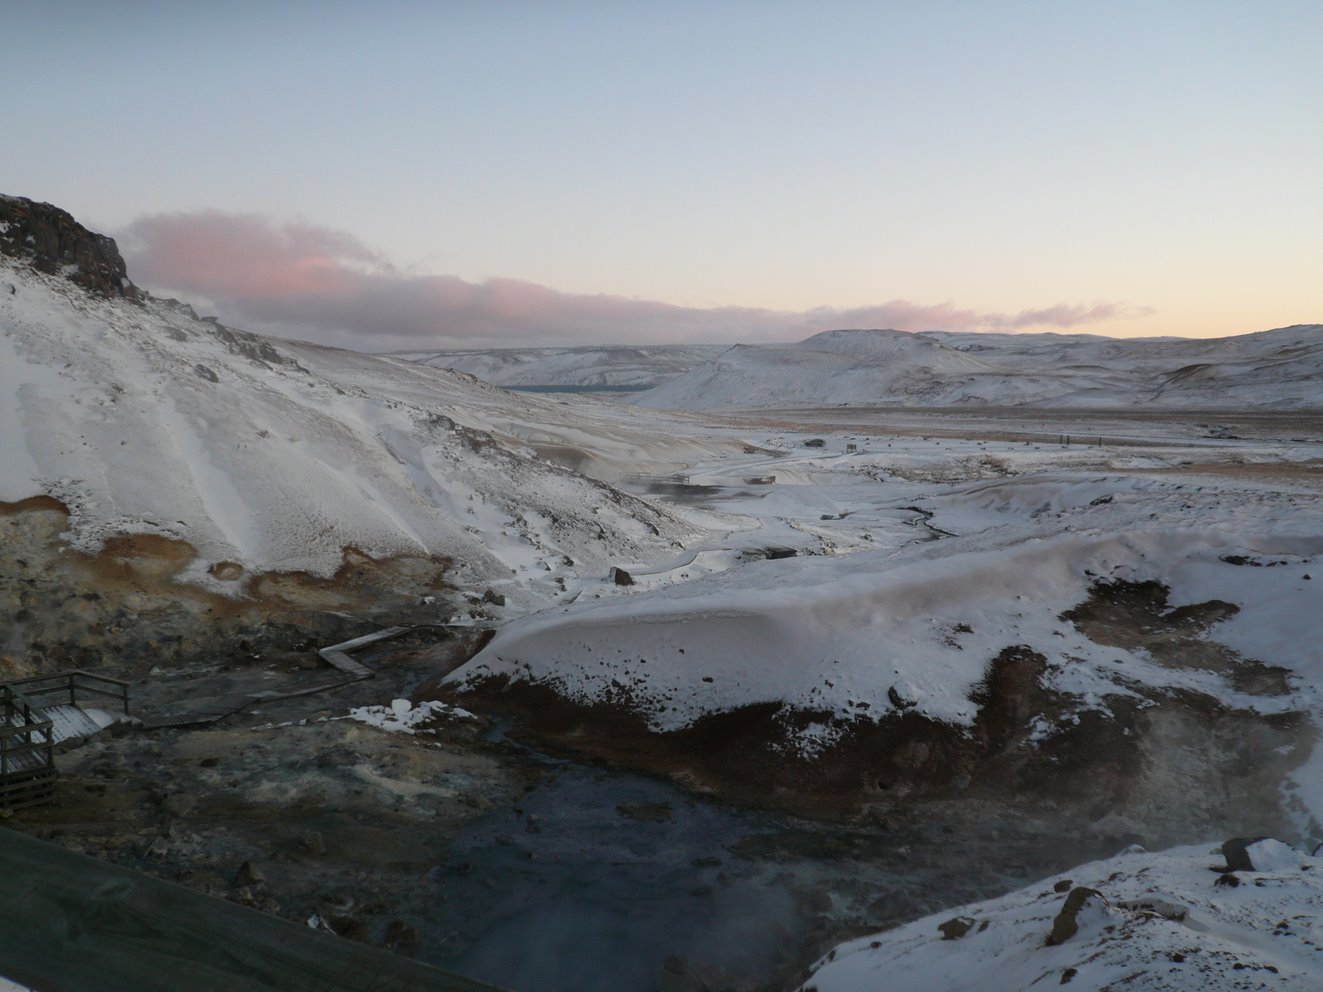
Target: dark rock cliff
<point x="57" y="244"/>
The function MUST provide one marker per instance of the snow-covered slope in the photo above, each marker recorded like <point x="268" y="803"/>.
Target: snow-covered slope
<point x="1157" y="921"/>
<point x="609" y="366"/>
<point x="1277" y="369"/>
<point x="278" y="455"/>
<point x="835" y="636"/>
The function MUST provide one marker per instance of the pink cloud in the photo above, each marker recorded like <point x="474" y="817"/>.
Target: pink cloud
<point x="241" y="256"/>
<point x="305" y="281"/>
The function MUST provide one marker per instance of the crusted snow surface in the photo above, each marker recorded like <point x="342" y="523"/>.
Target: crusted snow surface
<point x="278" y="455"/>
<point x="1162" y="923"/>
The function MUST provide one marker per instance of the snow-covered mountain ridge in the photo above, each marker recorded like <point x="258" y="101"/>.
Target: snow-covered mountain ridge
<point x="620" y="366"/>
<point x="1279" y="369"/>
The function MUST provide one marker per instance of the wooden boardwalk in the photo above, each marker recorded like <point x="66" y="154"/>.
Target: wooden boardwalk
<point x="75" y="924"/>
<point x="203" y="712"/>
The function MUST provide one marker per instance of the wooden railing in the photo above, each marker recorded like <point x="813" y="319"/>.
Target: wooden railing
<point x="68" y="686"/>
<point x="20" y="723"/>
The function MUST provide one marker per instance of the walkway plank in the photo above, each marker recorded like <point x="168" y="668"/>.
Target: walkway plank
<point x="384" y="634"/>
<point x="75" y="924"/>
<point x="337" y="655"/>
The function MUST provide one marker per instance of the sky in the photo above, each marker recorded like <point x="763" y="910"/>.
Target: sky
<point x="401" y="175"/>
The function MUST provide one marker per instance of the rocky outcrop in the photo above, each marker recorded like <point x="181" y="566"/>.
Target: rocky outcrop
<point x="57" y="244"/>
<point x="1066" y="924"/>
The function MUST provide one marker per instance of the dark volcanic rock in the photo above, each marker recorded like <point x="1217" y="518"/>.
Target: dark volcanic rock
<point x="956" y="927"/>
<point x="1237" y="855"/>
<point x="57" y="244"/>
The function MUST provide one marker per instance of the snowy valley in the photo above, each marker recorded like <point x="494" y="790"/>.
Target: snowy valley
<point x="891" y="624"/>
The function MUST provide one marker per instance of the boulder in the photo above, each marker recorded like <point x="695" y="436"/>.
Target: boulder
<point x="1067" y="923"/>
<point x="249" y="875"/>
<point x="956" y="927"/>
<point x="1237" y="855"/>
<point x="904" y="695"/>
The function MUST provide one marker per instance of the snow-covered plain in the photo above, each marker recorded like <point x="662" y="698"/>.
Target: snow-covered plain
<point x="1162" y="922"/>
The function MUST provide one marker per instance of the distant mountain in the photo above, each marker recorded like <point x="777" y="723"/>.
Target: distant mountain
<point x="1273" y="369"/>
<point x="626" y="367"/>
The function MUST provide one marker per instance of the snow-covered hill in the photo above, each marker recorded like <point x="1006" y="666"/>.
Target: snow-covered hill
<point x="1272" y="369"/>
<point x="1135" y="921"/>
<point x="276" y="456"/>
<point x="603" y="367"/>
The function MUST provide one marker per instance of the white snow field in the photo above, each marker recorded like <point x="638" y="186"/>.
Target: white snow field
<point x="1161" y="922"/>
<point x="1280" y="369"/>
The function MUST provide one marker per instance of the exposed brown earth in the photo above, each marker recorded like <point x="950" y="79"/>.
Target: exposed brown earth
<point x="1138" y="615"/>
<point x="124" y="610"/>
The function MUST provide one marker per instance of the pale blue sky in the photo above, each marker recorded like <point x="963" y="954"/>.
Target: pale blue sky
<point x="996" y="157"/>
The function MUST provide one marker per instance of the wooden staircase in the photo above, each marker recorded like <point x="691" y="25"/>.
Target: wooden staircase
<point x="38" y="714"/>
<point x="27" y="752"/>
